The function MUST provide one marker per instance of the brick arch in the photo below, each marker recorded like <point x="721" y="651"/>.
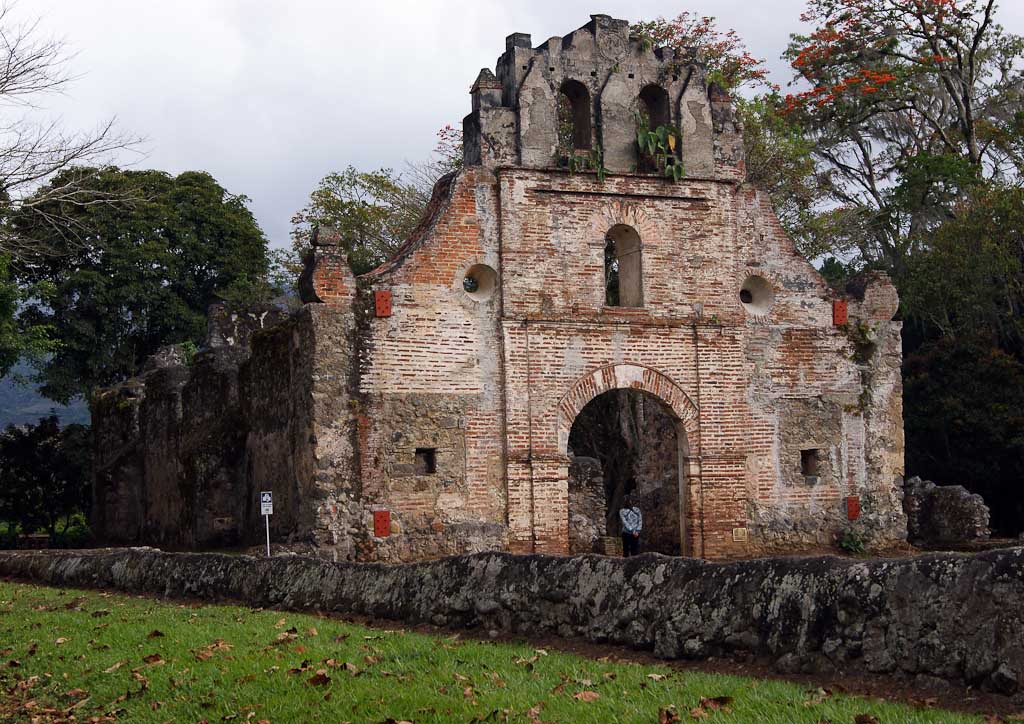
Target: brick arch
<point x="626" y="376"/>
<point x="627" y="214"/>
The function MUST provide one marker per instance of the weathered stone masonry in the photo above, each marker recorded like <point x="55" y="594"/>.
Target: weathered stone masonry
<point x="946" y="616"/>
<point x="411" y="413"/>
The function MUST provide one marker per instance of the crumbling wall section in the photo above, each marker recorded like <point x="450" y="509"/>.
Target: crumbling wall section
<point x="170" y="443"/>
<point x="944" y="514"/>
<point x="514" y="117"/>
<point x="428" y="384"/>
<point x="117" y="505"/>
<point x="832" y="393"/>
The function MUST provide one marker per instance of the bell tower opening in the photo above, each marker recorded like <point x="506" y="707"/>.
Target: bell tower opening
<point x="574" y="133"/>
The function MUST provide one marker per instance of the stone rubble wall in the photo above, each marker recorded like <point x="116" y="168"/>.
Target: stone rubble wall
<point x="940" y="616"/>
<point x="943" y="514"/>
<point x="588" y="510"/>
<point x="170" y="465"/>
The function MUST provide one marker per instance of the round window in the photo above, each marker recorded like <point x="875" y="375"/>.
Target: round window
<point x="480" y="282"/>
<point x="756" y="295"/>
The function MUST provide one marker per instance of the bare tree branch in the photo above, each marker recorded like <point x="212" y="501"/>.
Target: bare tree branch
<point x="35" y="150"/>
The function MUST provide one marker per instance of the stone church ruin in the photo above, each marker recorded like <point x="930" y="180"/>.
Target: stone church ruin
<point x="566" y="326"/>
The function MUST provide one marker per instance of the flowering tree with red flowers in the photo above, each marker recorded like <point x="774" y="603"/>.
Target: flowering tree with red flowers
<point x="871" y="57"/>
<point x="909" y="103"/>
<point x="727" y="59"/>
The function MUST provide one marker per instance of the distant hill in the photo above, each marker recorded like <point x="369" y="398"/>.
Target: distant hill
<point x="21" y="403"/>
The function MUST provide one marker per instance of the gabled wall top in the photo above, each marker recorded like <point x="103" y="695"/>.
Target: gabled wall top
<point x="604" y="78"/>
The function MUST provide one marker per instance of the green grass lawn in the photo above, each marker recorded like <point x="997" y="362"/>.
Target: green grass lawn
<point x="111" y="657"/>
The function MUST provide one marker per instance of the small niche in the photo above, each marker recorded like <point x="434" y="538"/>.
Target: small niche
<point x="425" y="462"/>
<point x="810" y="463"/>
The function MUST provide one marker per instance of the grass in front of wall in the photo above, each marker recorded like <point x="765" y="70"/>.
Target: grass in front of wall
<point x="101" y="657"/>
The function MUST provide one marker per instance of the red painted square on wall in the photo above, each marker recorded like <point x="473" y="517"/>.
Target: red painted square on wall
<point x="840" y="310"/>
<point x="382" y="302"/>
<point x="381" y="523"/>
<point x="853" y="507"/>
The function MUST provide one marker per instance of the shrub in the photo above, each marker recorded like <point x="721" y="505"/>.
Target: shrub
<point x="8" y="536"/>
<point x="851" y="541"/>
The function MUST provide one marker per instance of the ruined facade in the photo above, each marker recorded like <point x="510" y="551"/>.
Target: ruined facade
<point x="426" y="407"/>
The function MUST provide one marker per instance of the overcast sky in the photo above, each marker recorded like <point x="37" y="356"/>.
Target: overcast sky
<point x="270" y="95"/>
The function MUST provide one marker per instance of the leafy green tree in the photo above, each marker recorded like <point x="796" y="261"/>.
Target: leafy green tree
<point x="44" y="474"/>
<point x="963" y="298"/>
<point x="140" y="274"/>
<point x="374" y="211"/>
<point x="14" y="342"/>
<point x="964" y="417"/>
<point x="969" y="283"/>
<point x="780" y="160"/>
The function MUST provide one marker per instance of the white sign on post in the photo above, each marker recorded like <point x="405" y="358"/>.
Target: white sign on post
<point x="267" y="510"/>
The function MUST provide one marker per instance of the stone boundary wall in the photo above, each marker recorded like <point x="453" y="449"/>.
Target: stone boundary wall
<point x="949" y="616"/>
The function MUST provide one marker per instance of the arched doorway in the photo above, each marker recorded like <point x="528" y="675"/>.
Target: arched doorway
<point x="626" y="444"/>
<point x="667" y="406"/>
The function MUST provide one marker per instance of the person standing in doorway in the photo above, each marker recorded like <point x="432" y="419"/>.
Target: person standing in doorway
<point x="632" y="524"/>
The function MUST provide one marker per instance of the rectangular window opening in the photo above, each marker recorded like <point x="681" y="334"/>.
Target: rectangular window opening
<point x="810" y="462"/>
<point x="426" y="461"/>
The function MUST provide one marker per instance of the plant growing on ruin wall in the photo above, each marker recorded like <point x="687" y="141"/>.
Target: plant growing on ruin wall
<point x="592" y="160"/>
<point x="851" y="541"/>
<point x="659" y="146"/>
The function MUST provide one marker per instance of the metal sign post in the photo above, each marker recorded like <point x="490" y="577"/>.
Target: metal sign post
<point x="267" y="510"/>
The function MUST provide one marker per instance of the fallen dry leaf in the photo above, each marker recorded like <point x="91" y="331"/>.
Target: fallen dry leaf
<point x="865" y="719"/>
<point x="153" y="659"/>
<point x="716" y="702"/>
<point x="668" y="715"/>
<point x="319" y="679"/>
<point x="817" y="696"/>
<point x="115" y="667"/>
<point x="587" y="696"/>
<point x="656" y="677"/>
<point x="206" y="652"/>
<point x="154" y="634"/>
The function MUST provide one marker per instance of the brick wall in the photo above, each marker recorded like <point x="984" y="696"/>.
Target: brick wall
<point x="509" y="374"/>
